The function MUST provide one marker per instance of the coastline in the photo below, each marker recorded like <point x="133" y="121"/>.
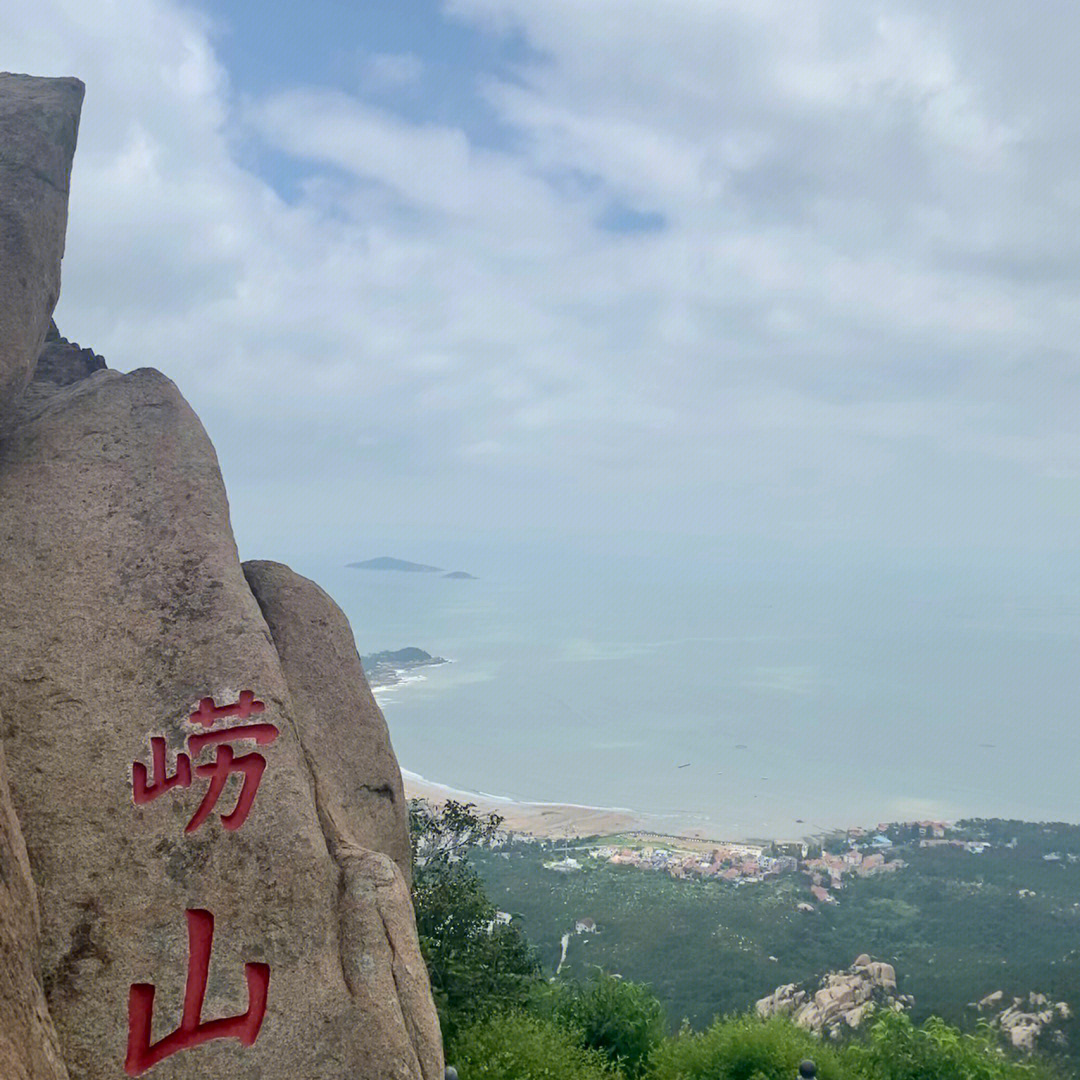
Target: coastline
<point x="391" y="670"/>
<point x="548" y="821"/>
<point x="566" y="821"/>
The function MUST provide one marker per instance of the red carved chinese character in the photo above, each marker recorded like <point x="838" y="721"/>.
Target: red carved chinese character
<point x="141" y="1055"/>
<point x="251" y="766"/>
<point x="143" y="792"/>
<point x="208" y="712"/>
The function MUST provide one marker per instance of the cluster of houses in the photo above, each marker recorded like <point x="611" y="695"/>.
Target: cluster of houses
<point x="738" y="863"/>
<point x="747" y="863"/>
<point x="976" y="847"/>
<point x="925" y="833"/>
<point x="909" y="830"/>
<point x="827" y="871"/>
<point x="868" y="852"/>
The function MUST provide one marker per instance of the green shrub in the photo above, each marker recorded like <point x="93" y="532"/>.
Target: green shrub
<point x="895" y="1049"/>
<point x="514" y="1046"/>
<point x="623" y="1020"/>
<point x="744" y="1048"/>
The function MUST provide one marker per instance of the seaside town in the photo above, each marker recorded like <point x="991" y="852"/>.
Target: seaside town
<point x="856" y="852"/>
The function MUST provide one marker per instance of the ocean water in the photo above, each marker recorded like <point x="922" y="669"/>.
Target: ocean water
<point x="752" y="692"/>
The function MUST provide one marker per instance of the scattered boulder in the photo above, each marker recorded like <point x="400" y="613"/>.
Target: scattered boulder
<point x="341" y="728"/>
<point x="39" y="123"/>
<point x="838" y="998"/>
<point x="855" y="1015"/>
<point x="882" y="975"/>
<point x="29" y="1049"/>
<point x="1027" y="1020"/>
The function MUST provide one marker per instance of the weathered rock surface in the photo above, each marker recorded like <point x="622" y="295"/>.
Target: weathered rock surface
<point x="28" y="1046"/>
<point x="384" y="968"/>
<point x="342" y="729"/>
<point x="839" y="998"/>
<point x="360" y="797"/>
<point x="62" y="362"/>
<point x="122" y="605"/>
<point x="39" y="123"/>
<point x="1026" y="1021"/>
<point x="59" y="364"/>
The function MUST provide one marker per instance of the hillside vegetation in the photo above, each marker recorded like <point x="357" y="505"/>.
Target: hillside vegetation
<point x="609" y="1013"/>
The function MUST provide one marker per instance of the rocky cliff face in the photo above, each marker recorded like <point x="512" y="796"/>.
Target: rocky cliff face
<point x="39" y="123"/>
<point x="212" y="812"/>
<point x="361" y="796"/>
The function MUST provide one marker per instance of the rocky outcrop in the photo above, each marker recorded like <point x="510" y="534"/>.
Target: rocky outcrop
<point x="60" y="363"/>
<point x="384" y="969"/>
<point x="28" y="1046"/>
<point x="122" y="606"/>
<point x="214" y="877"/>
<point x="389" y="668"/>
<point x="1026" y="1020"/>
<point x="39" y="123"/>
<point x="360" y="794"/>
<point x="360" y="799"/>
<point x="840" y="999"/>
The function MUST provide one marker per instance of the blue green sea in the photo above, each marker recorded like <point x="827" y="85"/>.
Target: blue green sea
<point x="754" y="691"/>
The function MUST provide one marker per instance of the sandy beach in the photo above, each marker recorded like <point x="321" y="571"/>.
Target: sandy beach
<point x="557" y="821"/>
<point x="546" y="820"/>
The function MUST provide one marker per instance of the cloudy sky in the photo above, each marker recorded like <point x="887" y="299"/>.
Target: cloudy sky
<point x="725" y="268"/>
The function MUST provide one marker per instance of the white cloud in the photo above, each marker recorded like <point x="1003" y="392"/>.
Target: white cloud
<point x="862" y="266"/>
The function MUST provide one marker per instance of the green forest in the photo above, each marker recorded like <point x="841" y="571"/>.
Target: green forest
<point x="665" y="985"/>
<point x="953" y="924"/>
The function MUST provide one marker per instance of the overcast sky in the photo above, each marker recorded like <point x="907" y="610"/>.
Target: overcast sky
<point x="729" y="268"/>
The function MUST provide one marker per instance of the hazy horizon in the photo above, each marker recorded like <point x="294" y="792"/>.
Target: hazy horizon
<point x="804" y="695"/>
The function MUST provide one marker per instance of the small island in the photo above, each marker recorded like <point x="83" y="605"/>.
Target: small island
<point x="391" y="667"/>
<point x="385" y="562"/>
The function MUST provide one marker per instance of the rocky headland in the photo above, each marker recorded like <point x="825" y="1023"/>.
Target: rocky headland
<point x="146" y="674"/>
<point x="390" y="667"/>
